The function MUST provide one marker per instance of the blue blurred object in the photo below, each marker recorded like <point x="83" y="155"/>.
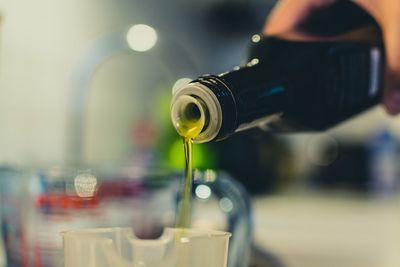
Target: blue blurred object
<point x="384" y="157"/>
<point x="233" y="201"/>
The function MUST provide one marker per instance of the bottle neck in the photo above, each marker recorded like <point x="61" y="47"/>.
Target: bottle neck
<point x="227" y="115"/>
<point x="233" y="101"/>
<point x="260" y="92"/>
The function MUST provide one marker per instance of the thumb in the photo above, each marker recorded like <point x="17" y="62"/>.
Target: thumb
<point x="387" y="14"/>
<point x="287" y="14"/>
<point x="391" y="98"/>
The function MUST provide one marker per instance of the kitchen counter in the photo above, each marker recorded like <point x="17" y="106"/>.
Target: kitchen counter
<point x="311" y="230"/>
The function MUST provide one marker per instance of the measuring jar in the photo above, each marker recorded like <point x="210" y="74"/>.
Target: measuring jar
<point x="119" y="247"/>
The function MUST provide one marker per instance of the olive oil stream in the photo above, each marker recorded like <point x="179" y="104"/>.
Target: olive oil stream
<point x="184" y="212"/>
<point x="189" y="126"/>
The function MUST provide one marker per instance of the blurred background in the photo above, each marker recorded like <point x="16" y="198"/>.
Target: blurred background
<point x="88" y="84"/>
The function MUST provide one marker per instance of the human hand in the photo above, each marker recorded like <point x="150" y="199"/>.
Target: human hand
<point x="292" y="15"/>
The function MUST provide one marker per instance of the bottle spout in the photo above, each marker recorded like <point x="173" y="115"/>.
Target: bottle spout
<point x="188" y="115"/>
<point x="196" y="113"/>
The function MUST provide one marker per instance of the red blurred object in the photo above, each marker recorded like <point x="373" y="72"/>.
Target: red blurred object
<point x="54" y="201"/>
<point x="144" y="134"/>
<point x="121" y="188"/>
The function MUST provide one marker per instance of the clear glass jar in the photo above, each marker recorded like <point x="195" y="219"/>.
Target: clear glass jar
<point x="39" y="204"/>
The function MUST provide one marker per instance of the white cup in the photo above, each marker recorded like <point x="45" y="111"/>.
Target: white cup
<point x="119" y="247"/>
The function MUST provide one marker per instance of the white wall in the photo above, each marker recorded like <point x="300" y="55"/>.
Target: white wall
<point x="40" y="42"/>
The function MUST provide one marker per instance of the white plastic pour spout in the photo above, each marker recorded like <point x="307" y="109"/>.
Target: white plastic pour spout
<point x="119" y="247"/>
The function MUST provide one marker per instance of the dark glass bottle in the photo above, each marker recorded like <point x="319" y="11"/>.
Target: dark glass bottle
<point x="286" y="86"/>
